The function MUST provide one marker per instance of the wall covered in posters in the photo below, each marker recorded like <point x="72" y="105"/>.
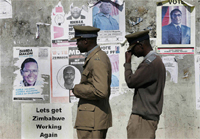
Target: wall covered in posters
<point x="40" y="31"/>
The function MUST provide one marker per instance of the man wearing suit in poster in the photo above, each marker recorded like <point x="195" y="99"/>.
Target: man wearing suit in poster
<point x="175" y="32"/>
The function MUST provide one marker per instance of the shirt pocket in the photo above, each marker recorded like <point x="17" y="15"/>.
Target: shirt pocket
<point x="86" y="76"/>
<point x="85" y="115"/>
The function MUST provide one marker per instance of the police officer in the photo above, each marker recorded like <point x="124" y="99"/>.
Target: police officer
<point x="94" y="113"/>
<point x="148" y="81"/>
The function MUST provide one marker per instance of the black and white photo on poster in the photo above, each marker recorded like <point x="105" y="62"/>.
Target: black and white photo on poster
<point x="77" y="16"/>
<point x="76" y="60"/>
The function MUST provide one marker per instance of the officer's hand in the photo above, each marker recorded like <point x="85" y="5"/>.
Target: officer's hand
<point x="128" y="56"/>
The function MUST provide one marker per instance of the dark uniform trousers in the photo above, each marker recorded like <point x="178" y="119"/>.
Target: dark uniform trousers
<point x="139" y="128"/>
<point x="91" y="134"/>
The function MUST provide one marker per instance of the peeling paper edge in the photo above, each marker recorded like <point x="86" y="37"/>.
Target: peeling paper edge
<point x="167" y="1"/>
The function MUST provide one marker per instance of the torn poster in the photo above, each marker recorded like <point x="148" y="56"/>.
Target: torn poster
<point x="77" y="17"/>
<point x="171" y="66"/>
<point x="32" y="81"/>
<point x="62" y="24"/>
<point x="5" y="9"/>
<point x="110" y="18"/>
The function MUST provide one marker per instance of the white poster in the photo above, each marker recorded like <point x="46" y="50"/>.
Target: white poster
<point x="78" y="16"/>
<point x="110" y="18"/>
<point x="32" y="73"/>
<point x="46" y="121"/>
<point x="62" y="24"/>
<point x="66" y="73"/>
<point x="60" y="60"/>
<point x="171" y="66"/>
<point x="5" y="9"/>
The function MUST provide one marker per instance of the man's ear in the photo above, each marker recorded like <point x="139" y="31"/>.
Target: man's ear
<point x="86" y="41"/>
<point x="21" y="72"/>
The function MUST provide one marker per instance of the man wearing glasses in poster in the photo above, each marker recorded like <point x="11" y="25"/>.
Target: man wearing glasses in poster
<point x="175" y="32"/>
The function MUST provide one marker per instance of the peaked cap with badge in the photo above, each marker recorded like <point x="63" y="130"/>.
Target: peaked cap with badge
<point x="85" y="32"/>
<point x="136" y="38"/>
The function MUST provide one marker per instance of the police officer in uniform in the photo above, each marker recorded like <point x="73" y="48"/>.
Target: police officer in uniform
<point x="148" y="81"/>
<point x="94" y="113"/>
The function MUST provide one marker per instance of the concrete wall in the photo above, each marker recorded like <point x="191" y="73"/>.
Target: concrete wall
<point x="179" y="119"/>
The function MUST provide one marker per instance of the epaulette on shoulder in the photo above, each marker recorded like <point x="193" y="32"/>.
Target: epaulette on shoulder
<point x="150" y="59"/>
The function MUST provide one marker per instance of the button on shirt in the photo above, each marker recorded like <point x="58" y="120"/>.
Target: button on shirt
<point x="105" y="23"/>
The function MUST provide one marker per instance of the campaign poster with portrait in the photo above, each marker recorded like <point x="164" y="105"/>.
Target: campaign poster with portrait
<point x="64" y="76"/>
<point x="76" y="60"/>
<point x="32" y="74"/>
<point x="59" y="60"/>
<point x="175" y="27"/>
<point x="113" y="51"/>
<point x="77" y="16"/>
<point x="110" y="18"/>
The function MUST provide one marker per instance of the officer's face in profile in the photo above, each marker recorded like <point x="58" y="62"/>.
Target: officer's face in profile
<point x="105" y="8"/>
<point x="30" y="73"/>
<point x="76" y="12"/>
<point x="81" y="45"/>
<point x="137" y="50"/>
<point x="69" y="75"/>
<point x="176" y="17"/>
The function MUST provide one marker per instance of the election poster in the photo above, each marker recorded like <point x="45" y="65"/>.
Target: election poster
<point x="46" y="121"/>
<point x="77" y="16"/>
<point x="62" y="24"/>
<point x="175" y="27"/>
<point x="113" y="51"/>
<point x="32" y="74"/>
<point x="59" y="30"/>
<point x="66" y="69"/>
<point x="59" y="61"/>
<point x="76" y="61"/>
<point x="110" y="18"/>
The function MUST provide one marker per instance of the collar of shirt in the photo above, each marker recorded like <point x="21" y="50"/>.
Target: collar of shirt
<point x="101" y="14"/>
<point x="150" y="53"/>
<point x="177" y="25"/>
<point x="91" y="51"/>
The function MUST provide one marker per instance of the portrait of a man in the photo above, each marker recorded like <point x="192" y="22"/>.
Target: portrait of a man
<point x="102" y="19"/>
<point x="176" y="32"/>
<point x="75" y="13"/>
<point x="69" y="76"/>
<point x="29" y="72"/>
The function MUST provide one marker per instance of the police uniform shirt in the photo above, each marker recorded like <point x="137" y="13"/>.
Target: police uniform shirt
<point x="148" y="81"/>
